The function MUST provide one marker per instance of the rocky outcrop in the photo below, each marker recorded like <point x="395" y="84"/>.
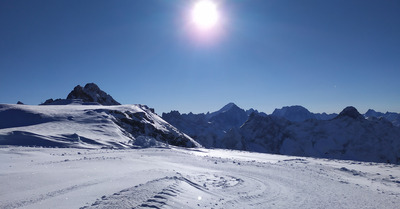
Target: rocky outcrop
<point x="92" y="93"/>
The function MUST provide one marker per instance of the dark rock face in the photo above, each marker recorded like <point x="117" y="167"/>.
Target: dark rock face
<point x="51" y="101"/>
<point x="229" y="116"/>
<point x="349" y="136"/>
<point x="393" y="117"/>
<point x="299" y="113"/>
<point x="373" y="113"/>
<point x="142" y="125"/>
<point x="351" y="112"/>
<point x="208" y="129"/>
<point x="92" y="93"/>
<point x="294" y="113"/>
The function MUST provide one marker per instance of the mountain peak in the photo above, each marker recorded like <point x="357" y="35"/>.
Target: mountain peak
<point x="295" y="113"/>
<point x="228" y="107"/>
<point x="373" y="113"/>
<point x="351" y="112"/>
<point x="91" y="87"/>
<point x="92" y="93"/>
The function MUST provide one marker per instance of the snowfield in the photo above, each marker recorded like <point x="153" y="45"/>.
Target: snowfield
<point x="189" y="178"/>
<point x="87" y="126"/>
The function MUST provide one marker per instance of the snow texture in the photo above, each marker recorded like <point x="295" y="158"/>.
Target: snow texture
<point x="189" y="178"/>
<point x="87" y="126"/>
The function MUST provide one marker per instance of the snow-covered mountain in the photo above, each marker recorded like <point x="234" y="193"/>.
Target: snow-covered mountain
<point x="299" y="113"/>
<point x="87" y="118"/>
<point x="390" y="116"/>
<point x="82" y="121"/>
<point x="90" y="94"/>
<point x="208" y="129"/>
<point x="347" y="136"/>
<point x="259" y="134"/>
<point x="211" y="129"/>
<point x="87" y="126"/>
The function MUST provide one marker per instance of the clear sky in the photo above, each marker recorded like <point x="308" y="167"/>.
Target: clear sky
<point x="265" y="54"/>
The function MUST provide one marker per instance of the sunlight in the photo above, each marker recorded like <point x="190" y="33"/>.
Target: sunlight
<point x="205" y="14"/>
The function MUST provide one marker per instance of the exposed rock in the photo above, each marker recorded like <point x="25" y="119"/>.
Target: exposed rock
<point x="351" y="112"/>
<point x="92" y="93"/>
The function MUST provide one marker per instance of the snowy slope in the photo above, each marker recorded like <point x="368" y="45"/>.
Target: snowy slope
<point x="186" y="178"/>
<point x="348" y="136"/>
<point x="87" y="126"/>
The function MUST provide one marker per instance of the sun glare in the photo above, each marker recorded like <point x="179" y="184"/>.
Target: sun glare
<point x="205" y="14"/>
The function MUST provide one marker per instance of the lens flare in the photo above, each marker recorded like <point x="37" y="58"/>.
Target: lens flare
<point x="205" y="14"/>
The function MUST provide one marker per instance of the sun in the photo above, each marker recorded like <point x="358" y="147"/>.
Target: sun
<point x="205" y="14"/>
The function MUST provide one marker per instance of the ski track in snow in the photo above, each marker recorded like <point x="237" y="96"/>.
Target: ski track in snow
<point x="189" y="178"/>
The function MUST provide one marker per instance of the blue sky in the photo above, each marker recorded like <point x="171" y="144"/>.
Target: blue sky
<point x="265" y="54"/>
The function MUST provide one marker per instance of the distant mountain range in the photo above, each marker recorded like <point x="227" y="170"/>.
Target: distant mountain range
<point x="347" y="136"/>
<point x="298" y="114"/>
<point x="296" y="131"/>
<point x="209" y="128"/>
<point x="390" y="116"/>
<point x="89" y="117"/>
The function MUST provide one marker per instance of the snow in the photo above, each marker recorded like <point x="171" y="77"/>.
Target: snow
<point x="86" y="126"/>
<point x="89" y="174"/>
<point x="189" y="178"/>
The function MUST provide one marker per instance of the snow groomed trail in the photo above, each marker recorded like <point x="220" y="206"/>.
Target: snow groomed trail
<point x="189" y="178"/>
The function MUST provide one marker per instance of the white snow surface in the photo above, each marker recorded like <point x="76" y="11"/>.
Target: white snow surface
<point x="189" y="178"/>
<point x="87" y="126"/>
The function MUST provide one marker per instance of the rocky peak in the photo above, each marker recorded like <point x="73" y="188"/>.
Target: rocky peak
<point x="373" y="113"/>
<point x="294" y="113"/>
<point x="173" y="113"/>
<point x="351" y="112"/>
<point x="92" y="93"/>
<point x="228" y="107"/>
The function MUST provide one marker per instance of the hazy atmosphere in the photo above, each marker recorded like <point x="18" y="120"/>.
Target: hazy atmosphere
<point x="323" y="55"/>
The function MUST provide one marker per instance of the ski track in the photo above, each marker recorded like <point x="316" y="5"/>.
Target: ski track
<point x="45" y="196"/>
<point x="183" y="178"/>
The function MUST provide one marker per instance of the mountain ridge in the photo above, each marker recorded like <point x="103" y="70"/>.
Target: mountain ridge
<point x="89" y="117"/>
<point x="90" y="94"/>
<point x="347" y="136"/>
